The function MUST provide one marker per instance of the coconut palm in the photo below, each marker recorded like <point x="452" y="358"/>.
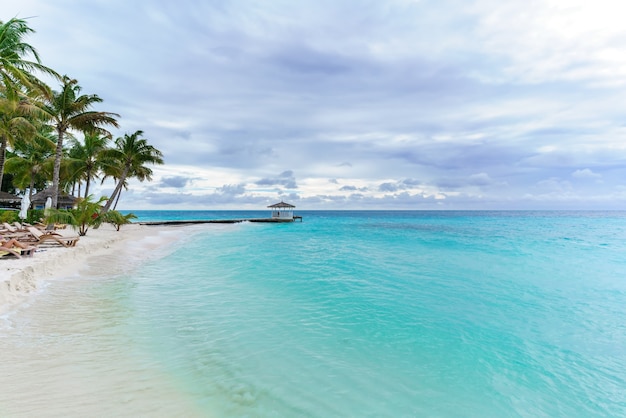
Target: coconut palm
<point x="116" y="177"/>
<point x="68" y="109"/>
<point x="16" y="116"/>
<point x="16" y="69"/>
<point x="31" y="164"/>
<point x="86" y="158"/>
<point x="112" y="169"/>
<point x="130" y="156"/>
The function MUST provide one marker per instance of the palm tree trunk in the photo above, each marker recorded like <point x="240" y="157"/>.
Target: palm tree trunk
<point x="57" y="167"/>
<point x="3" y="151"/>
<point x="30" y="189"/>
<point x="117" y="200"/>
<point x="87" y="184"/>
<point x="116" y="191"/>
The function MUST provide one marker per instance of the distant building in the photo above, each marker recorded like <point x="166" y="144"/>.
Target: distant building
<point x="282" y="211"/>
<point x="64" y="201"/>
<point x="9" y="201"/>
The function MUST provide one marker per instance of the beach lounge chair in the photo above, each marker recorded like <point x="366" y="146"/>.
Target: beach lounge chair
<point x="42" y="237"/>
<point x="20" y="227"/>
<point x="9" y="228"/>
<point x="8" y="231"/>
<point x="41" y="225"/>
<point x="9" y="251"/>
<point x="17" y="252"/>
<point x="6" y="228"/>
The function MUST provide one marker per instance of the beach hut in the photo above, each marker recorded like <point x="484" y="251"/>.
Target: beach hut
<point x="65" y="201"/>
<point x="9" y="201"/>
<point x="282" y="211"/>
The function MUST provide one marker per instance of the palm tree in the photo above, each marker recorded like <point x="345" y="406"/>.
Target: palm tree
<point x="86" y="158"/>
<point x="131" y="155"/>
<point x="16" y="114"/>
<point x="124" y="185"/>
<point x="68" y="109"/>
<point x="116" y="219"/>
<point x="15" y="68"/>
<point x="32" y="162"/>
<point x="85" y="214"/>
<point x="16" y="73"/>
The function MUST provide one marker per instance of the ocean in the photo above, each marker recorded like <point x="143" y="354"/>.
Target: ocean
<point x="347" y="314"/>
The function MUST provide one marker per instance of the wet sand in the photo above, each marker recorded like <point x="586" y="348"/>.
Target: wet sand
<point x="19" y="278"/>
<point x="67" y="353"/>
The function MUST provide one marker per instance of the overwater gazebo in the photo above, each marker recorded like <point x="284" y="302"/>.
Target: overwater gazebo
<point x="282" y="211"/>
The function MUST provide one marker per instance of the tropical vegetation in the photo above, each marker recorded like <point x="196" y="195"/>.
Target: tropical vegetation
<point x="54" y="138"/>
<point x="129" y="159"/>
<point x="88" y="213"/>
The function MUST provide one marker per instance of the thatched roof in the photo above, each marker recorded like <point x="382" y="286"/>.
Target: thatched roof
<point x="9" y="198"/>
<point x="281" y="205"/>
<point x="64" y="199"/>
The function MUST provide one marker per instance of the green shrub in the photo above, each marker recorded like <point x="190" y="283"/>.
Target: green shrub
<point x="34" y="216"/>
<point x="116" y="219"/>
<point x="85" y="215"/>
<point x="9" y="216"/>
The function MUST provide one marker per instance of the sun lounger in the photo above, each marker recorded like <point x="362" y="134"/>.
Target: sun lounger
<point x="49" y="227"/>
<point x="47" y="231"/>
<point x="20" y="236"/>
<point x="10" y="251"/>
<point x="10" y="228"/>
<point x="5" y="228"/>
<point x="41" y="238"/>
<point x="17" y="252"/>
<point x="20" y="227"/>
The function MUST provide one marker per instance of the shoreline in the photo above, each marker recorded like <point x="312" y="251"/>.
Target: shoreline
<point x="66" y="346"/>
<point x="22" y="278"/>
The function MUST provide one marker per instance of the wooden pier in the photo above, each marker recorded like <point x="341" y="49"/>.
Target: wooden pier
<point x="221" y="221"/>
<point x="281" y="212"/>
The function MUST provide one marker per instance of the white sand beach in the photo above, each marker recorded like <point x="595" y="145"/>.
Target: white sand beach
<point x="20" y="278"/>
<point x="61" y="357"/>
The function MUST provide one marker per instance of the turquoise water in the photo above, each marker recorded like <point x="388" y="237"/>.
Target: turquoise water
<point x="401" y="314"/>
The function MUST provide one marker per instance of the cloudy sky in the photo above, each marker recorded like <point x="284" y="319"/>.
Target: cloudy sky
<point x="356" y="104"/>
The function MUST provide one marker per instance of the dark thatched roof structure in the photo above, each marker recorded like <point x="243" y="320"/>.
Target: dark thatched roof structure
<point x="8" y="200"/>
<point x="65" y="201"/>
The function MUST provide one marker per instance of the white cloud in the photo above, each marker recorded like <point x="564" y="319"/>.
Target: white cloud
<point x="400" y="103"/>
<point x="586" y="173"/>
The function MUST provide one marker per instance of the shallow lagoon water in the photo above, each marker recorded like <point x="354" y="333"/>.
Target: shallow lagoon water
<point x="346" y="314"/>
